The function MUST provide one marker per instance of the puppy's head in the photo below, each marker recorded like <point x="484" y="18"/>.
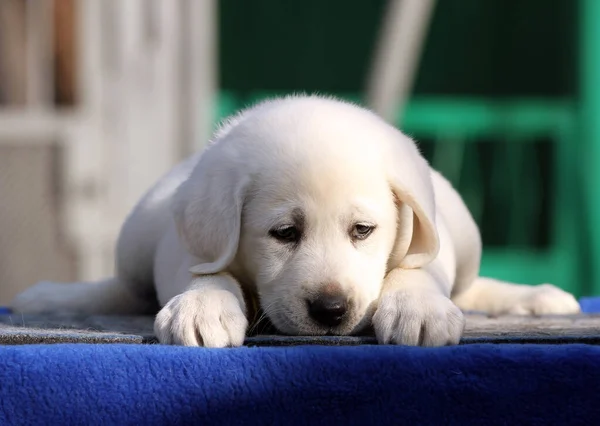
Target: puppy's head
<point x="309" y="202"/>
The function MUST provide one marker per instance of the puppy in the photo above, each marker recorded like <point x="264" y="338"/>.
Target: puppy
<point x="321" y="210"/>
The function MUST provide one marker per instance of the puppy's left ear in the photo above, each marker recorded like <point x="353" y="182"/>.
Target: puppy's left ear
<point x="417" y="241"/>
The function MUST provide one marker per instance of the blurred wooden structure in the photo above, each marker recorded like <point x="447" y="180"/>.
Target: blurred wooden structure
<point x="98" y="98"/>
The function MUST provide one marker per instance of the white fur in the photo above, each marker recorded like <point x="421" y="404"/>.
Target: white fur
<point x="199" y="239"/>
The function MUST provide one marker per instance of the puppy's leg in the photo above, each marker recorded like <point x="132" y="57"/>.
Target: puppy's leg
<point x="498" y="297"/>
<point x="210" y="313"/>
<point x="108" y="296"/>
<point x="415" y="309"/>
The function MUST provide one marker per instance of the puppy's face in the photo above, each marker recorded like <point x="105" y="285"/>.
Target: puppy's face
<point x="309" y="202"/>
<point x="316" y="236"/>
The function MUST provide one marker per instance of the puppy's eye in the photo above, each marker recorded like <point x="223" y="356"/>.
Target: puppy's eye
<point x="361" y="231"/>
<point x="285" y="234"/>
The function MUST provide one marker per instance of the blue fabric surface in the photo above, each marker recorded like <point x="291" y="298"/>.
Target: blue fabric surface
<point x="590" y="305"/>
<point x="152" y="384"/>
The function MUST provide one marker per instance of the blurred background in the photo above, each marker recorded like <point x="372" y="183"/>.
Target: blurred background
<point x="98" y="98"/>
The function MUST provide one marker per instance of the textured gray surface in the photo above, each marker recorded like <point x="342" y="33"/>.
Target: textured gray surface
<point x="10" y="335"/>
<point x="32" y="329"/>
<point x="58" y="328"/>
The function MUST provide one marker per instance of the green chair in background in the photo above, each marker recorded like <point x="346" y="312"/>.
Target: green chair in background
<point x="513" y="178"/>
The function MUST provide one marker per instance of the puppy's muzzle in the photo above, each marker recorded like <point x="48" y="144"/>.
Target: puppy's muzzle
<point x="330" y="306"/>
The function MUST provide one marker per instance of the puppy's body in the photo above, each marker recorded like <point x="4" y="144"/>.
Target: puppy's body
<point x="324" y="211"/>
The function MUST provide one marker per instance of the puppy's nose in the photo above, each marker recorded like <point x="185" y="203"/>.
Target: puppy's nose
<point x="328" y="309"/>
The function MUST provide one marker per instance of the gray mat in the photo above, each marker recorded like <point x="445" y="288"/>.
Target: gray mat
<point x="67" y="328"/>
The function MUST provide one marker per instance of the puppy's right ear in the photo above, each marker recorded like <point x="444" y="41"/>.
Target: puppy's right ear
<point x="208" y="210"/>
<point x="417" y="242"/>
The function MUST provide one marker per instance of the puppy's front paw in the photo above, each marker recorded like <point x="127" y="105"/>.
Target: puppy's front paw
<point x="545" y="299"/>
<point x="417" y="318"/>
<point x="207" y="317"/>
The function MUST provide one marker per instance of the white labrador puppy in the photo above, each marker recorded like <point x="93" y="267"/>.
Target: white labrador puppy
<point x="326" y="213"/>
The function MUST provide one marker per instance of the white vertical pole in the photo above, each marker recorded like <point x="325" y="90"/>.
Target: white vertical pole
<point x="397" y="55"/>
<point x="142" y="101"/>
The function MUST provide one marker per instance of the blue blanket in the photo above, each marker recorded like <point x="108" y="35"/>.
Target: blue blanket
<point x="81" y="384"/>
<point x="590" y="304"/>
<point x="147" y="384"/>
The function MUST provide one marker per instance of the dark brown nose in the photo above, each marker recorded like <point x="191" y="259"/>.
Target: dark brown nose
<point x="328" y="309"/>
